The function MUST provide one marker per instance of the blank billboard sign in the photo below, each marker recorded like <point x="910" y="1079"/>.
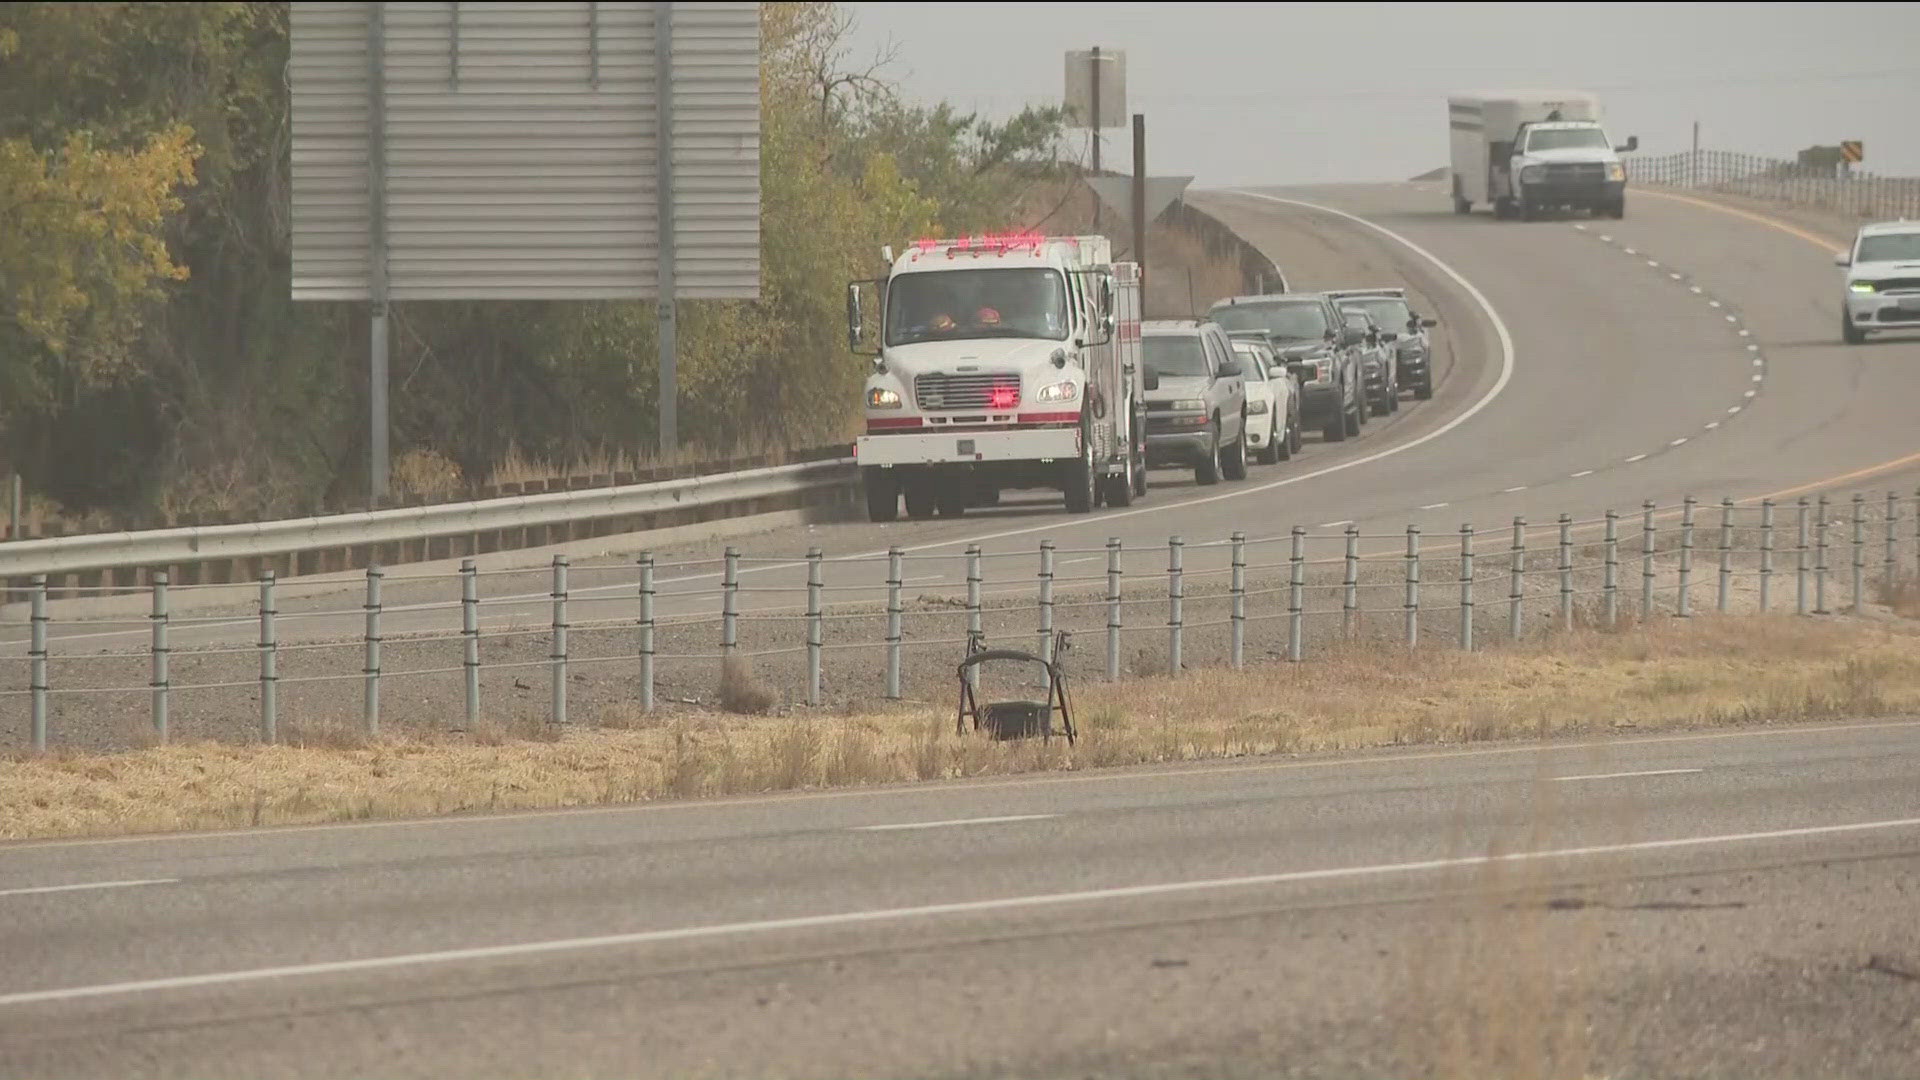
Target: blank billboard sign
<point x="506" y="151"/>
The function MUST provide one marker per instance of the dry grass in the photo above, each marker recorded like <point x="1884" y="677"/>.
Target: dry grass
<point x="1736" y="670"/>
<point x="740" y="692"/>
<point x="1900" y="595"/>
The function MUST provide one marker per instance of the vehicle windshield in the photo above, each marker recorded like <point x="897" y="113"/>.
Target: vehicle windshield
<point x="1023" y="302"/>
<point x="1567" y="139"/>
<point x="1256" y="368"/>
<point x="1174" y="354"/>
<point x="1386" y="310"/>
<point x="1890" y="247"/>
<point x="1357" y="319"/>
<point x="1293" y="321"/>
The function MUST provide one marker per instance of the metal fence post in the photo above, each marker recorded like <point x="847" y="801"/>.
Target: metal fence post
<point x="1113" y="607"/>
<point x="1610" y="584"/>
<point x="1726" y="555"/>
<point x="160" y="656"/>
<point x="371" y="671"/>
<point x="1046" y="601"/>
<point x="1890" y="570"/>
<point x="1683" y="605"/>
<point x="1238" y="585"/>
<point x="1820" y="556"/>
<point x="1466" y="587"/>
<point x="730" y="602"/>
<point x="1350" y="603"/>
<point x="470" y="636"/>
<point x="1800" y="575"/>
<point x="816" y="630"/>
<point x="975" y="627"/>
<point x="1649" y="543"/>
<point x="37" y="666"/>
<point x="559" y="639"/>
<point x="894" y="613"/>
<point x="1766" y="554"/>
<point x="1297" y="596"/>
<point x="1413" y="586"/>
<point x="1566" y="572"/>
<point x="1859" y="551"/>
<point x="269" y="664"/>
<point x="1176" y="591"/>
<point x="1517" y="589"/>
<point x="646" y="631"/>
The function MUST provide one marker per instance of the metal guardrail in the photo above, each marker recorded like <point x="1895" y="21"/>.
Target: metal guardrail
<point x="267" y="539"/>
<point x="1218" y="601"/>
<point x="1857" y="194"/>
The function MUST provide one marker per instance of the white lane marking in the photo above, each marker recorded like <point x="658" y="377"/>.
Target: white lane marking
<point x="1333" y="524"/>
<point x="1713" y="303"/>
<point x="40" y="889"/>
<point x="1732" y="319"/>
<point x="1758" y="362"/>
<point x="1694" y="289"/>
<point x="1636" y="457"/>
<point x="1753" y="348"/>
<point x="1626" y="775"/>
<point x="1607" y="238"/>
<point x="1085" y="558"/>
<point x="1579" y="228"/>
<point x="1679" y="441"/>
<point x="1630" y="251"/>
<point x="1748" y="333"/>
<point x="923" y="580"/>
<point x="963" y="907"/>
<point x="1751" y="393"/>
<point x="1675" y="277"/>
<point x="1434" y="506"/>
<point x="1511" y="490"/>
<point x="1734" y="409"/>
<point x="1582" y="472"/>
<point x="953" y="822"/>
<point x="1757" y="378"/>
<point x="1655" y="264"/>
<point x="1713" y="425"/>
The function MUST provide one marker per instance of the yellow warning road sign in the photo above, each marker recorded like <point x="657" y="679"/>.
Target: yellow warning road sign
<point x="1853" y="151"/>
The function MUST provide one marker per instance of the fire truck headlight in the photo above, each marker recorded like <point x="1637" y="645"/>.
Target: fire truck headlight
<point x="1060" y="391"/>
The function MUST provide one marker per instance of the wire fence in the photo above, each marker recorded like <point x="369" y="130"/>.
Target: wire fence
<point x="1854" y="193"/>
<point x="895" y="625"/>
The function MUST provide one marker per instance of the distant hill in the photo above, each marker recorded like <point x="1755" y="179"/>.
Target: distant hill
<point x="1437" y="174"/>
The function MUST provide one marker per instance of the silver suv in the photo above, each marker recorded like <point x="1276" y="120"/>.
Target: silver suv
<point x="1196" y="399"/>
<point x="1882" y="280"/>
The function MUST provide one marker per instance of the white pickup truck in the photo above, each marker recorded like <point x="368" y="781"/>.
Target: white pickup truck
<point x="1524" y="152"/>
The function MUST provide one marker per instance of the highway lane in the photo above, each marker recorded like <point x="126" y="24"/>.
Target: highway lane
<point x="1618" y="372"/>
<point x="1306" y="917"/>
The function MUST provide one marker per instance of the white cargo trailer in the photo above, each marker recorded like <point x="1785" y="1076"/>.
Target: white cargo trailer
<point x="1525" y="151"/>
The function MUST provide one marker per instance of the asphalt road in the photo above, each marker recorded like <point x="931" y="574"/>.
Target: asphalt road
<point x="1579" y="377"/>
<point x="1712" y="904"/>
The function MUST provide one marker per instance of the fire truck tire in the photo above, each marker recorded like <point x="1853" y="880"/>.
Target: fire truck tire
<point x="883" y="495"/>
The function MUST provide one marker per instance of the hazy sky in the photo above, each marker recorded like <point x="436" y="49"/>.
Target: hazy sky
<point x="1295" y="93"/>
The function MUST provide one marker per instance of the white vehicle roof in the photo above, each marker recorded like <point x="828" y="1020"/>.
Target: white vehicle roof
<point x="1013" y="249"/>
<point x="1882" y="228"/>
<point x="1557" y="125"/>
<point x="1531" y="97"/>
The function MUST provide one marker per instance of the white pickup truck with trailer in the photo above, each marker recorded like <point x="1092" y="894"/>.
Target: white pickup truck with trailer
<point x="1523" y="152"/>
<point x="1003" y="362"/>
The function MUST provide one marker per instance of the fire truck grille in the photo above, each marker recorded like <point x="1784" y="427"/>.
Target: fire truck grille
<point x="988" y="390"/>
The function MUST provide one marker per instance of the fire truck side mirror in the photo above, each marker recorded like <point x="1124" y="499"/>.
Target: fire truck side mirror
<point x="856" y="321"/>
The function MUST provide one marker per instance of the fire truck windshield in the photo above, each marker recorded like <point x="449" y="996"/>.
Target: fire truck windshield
<point x="947" y="305"/>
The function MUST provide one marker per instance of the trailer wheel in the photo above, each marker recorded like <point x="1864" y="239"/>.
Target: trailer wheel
<point x="883" y="494"/>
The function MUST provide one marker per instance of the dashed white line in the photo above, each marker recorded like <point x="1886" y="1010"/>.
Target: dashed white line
<point x="37" y="890"/>
<point x="1630" y="251"/>
<point x="1748" y="333"/>
<point x="954" y="822"/>
<point x="1675" y="277"/>
<point x="1732" y="319"/>
<point x="1607" y="238"/>
<point x="1579" y="228"/>
<point x="1713" y="303"/>
<point x="1695" y="289"/>
<point x="1735" y="409"/>
<point x="1753" y="348"/>
<point x="1582" y="472"/>
<point x="1434" y="506"/>
<point x="1655" y="263"/>
<point x="1681" y="441"/>
<point x="1757" y="362"/>
<point x="1751" y="393"/>
<point x="1713" y="425"/>
<point x="1511" y="490"/>
<point x="1629" y="775"/>
<point x="1757" y="378"/>
<point x="1636" y="457"/>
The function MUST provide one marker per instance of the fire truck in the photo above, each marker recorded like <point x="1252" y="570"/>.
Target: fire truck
<point x="1000" y="362"/>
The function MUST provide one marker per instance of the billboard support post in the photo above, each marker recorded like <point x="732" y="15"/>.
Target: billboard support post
<point x="669" y="435"/>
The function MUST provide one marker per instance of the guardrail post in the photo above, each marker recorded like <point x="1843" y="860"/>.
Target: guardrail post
<point x="1889" y="571"/>
<point x="1238" y="585"/>
<point x="1766" y="554"/>
<point x="1413" y="586"/>
<point x="160" y="656"/>
<point x="1726" y="555"/>
<point x="559" y="657"/>
<point x="816" y="630"/>
<point x="1820" y="525"/>
<point x="975" y="627"/>
<point x="1176" y="591"/>
<point x="1517" y="588"/>
<point x="37" y="662"/>
<point x="1045" y="651"/>
<point x="470" y="636"/>
<point x="1649" y="543"/>
<point x="269" y="664"/>
<point x="1610" y="584"/>
<point x="1859" y="551"/>
<point x="1297" y="597"/>
<point x="1113" y="608"/>
<point x="1800" y="575"/>
<point x="1466" y="587"/>
<point x="1350" y="602"/>
<point x="371" y="671"/>
<point x="1566" y="572"/>
<point x="894" y="613"/>
<point x="1684" y="606"/>
<point x="729" y="602"/>
<point x="646" y="631"/>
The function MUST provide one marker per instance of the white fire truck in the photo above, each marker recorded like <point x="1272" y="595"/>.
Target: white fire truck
<point x="1002" y="361"/>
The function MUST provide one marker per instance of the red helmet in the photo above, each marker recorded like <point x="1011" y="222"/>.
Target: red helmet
<point x="987" y="316"/>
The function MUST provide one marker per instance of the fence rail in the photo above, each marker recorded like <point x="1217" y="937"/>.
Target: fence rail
<point x="890" y="627"/>
<point x="1855" y="194"/>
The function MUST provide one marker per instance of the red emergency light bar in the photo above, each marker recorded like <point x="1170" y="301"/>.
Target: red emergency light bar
<point x="986" y="243"/>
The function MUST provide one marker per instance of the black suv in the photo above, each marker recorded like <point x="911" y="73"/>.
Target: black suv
<point x="1311" y="337"/>
<point x="1390" y="308"/>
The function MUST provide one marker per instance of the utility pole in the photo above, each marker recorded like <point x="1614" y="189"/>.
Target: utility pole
<point x="1095" y="74"/>
<point x="1140" y="200"/>
<point x="378" y="472"/>
<point x="669" y="341"/>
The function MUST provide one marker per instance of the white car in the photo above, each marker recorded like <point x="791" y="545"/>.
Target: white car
<point x="1273" y="403"/>
<point x="1882" y="280"/>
